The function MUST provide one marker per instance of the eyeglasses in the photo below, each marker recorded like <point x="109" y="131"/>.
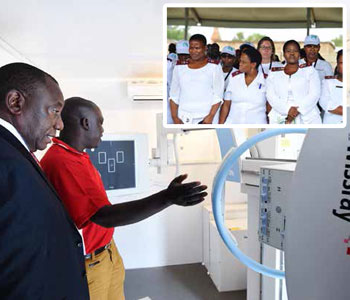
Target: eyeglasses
<point x="224" y="55"/>
<point x="265" y="48"/>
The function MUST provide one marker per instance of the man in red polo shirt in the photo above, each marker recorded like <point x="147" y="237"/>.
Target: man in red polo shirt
<point x="81" y="189"/>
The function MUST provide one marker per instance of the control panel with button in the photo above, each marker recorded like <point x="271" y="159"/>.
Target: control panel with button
<point x="274" y="183"/>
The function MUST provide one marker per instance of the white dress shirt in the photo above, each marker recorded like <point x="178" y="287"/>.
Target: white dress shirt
<point x="14" y="131"/>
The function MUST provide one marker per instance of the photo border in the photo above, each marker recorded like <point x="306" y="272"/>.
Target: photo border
<point x="249" y="5"/>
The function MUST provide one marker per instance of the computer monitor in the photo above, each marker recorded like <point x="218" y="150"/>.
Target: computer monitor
<point x="122" y="161"/>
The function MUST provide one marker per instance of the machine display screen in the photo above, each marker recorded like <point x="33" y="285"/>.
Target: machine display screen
<point x="115" y="161"/>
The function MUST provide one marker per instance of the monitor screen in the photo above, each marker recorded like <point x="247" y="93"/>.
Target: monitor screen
<point x="122" y="161"/>
<point x="115" y="161"/>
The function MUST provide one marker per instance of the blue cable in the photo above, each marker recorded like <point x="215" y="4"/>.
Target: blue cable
<point x="218" y="185"/>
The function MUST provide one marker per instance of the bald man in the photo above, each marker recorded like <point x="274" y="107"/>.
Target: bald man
<point x="41" y="255"/>
<point x="80" y="186"/>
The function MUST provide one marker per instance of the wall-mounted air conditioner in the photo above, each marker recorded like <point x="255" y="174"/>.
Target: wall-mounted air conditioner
<point x="145" y="89"/>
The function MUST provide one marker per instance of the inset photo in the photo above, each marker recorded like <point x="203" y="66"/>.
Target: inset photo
<point x="261" y="66"/>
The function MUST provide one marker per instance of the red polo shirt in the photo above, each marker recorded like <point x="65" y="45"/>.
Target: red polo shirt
<point x="81" y="189"/>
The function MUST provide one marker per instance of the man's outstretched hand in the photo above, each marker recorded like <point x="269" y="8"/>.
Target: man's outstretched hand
<point x="185" y="194"/>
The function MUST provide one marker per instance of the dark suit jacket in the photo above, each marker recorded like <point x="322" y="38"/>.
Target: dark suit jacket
<point x="40" y="249"/>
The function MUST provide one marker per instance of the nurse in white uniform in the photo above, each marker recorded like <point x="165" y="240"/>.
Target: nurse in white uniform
<point x="182" y="56"/>
<point x="312" y="48"/>
<point x="197" y="86"/>
<point x="332" y="94"/>
<point x="244" y="99"/>
<point x="228" y="58"/>
<point x="171" y="62"/>
<point x="293" y="90"/>
<point x="267" y="50"/>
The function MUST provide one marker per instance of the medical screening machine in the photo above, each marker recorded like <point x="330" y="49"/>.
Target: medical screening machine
<point x="300" y="211"/>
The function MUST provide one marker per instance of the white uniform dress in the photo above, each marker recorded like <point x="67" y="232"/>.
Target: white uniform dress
<point x="266" y="68"/>
<point x="248" y="103"/>
<point x="323" y="68"/>
<point x="302" y="89"/>
<point x="331" y="98"/>
<point x="195" y="91"/>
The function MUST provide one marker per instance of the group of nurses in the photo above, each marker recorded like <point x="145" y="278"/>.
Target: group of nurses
<point x="262" y="91"/>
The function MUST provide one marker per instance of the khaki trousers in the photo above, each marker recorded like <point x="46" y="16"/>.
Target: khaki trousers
<point x="105" y="275"/>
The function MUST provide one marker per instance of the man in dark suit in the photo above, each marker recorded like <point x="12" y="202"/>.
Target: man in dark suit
<point x="40" y="248"/>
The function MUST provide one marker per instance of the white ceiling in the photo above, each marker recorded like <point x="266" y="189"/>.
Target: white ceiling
<point x="86" y="38"/>
<point x="78" y="39"/>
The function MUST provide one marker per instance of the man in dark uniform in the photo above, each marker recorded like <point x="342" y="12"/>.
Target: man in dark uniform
<point x="41" y="249"/>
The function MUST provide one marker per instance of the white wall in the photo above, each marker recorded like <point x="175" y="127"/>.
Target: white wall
<point x="120" y="112"/>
